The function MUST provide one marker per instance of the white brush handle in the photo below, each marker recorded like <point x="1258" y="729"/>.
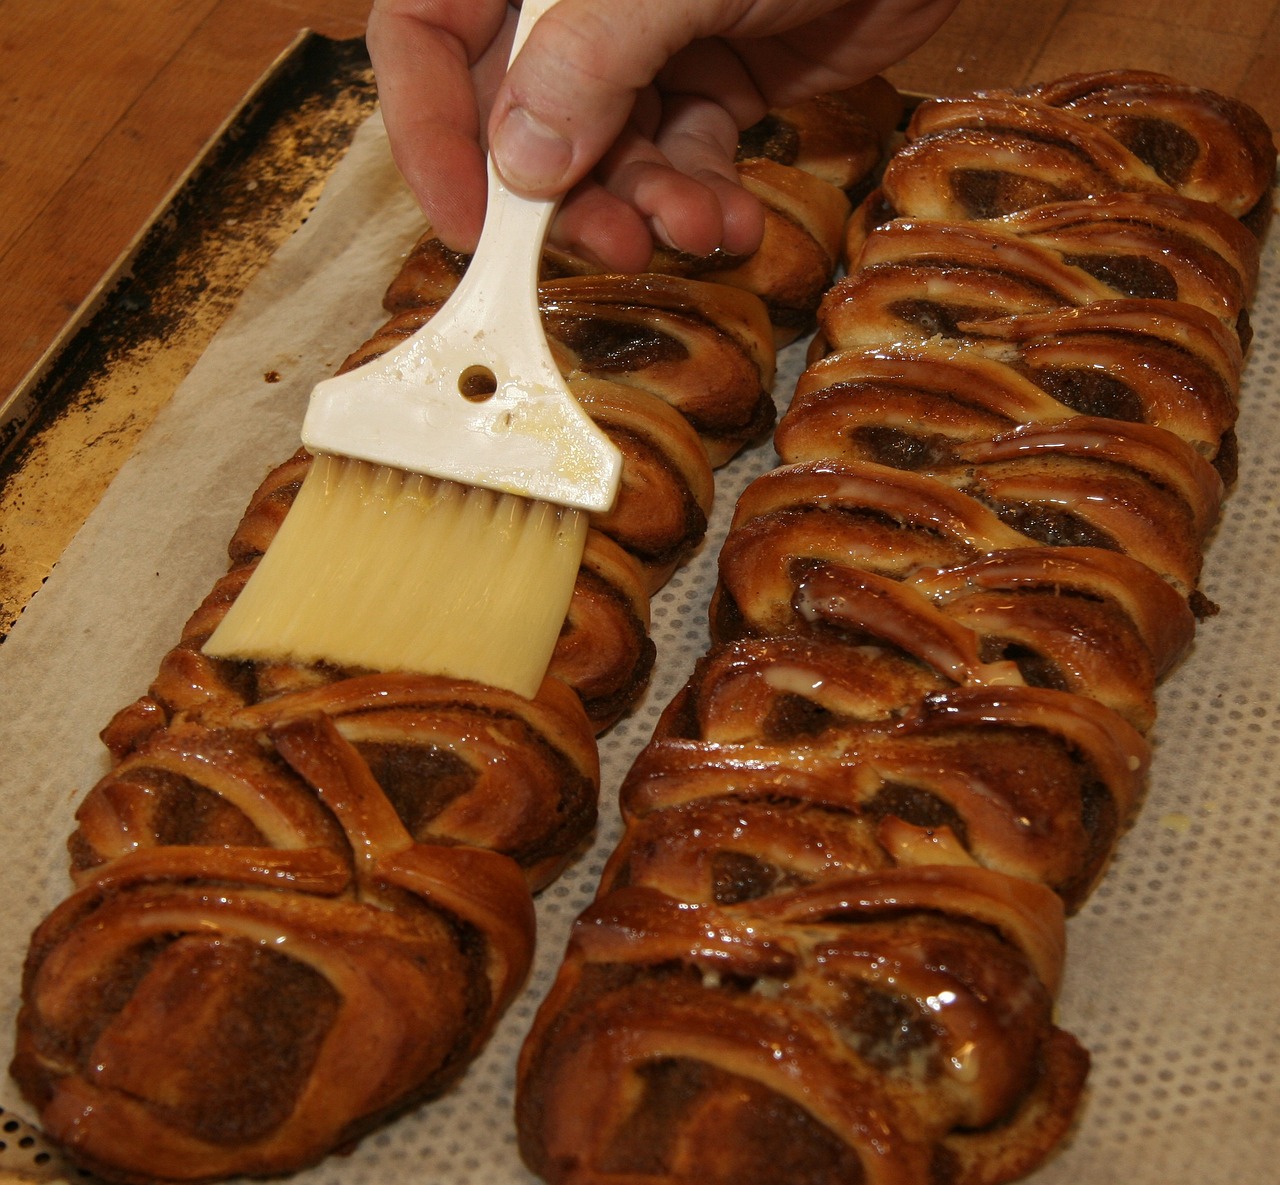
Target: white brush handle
<point x="529" y="436"/>
<point x="512" y="223"/>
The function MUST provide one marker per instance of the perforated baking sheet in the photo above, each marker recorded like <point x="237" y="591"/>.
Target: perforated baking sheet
<point x="1172" y="965"/>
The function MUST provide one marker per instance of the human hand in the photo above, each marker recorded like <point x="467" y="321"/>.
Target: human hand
<point x="632" y="109"/>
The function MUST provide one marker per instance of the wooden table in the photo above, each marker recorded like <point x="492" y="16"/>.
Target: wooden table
<point x="1232" y="47"/>
<point x="105" y="105"/>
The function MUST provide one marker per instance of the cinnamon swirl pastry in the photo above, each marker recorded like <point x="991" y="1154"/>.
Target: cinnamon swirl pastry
<point x="1135" y="361"/>
<point x="827" y="946"/>
<point x="346" y="873"/>
<point x="922" y="276"/>
<point x="344" y="860"/>
<point x="1205" y="145"/>
<point x="1083" y="136"/>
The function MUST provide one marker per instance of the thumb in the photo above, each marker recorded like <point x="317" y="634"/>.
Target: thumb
<point x="573" y="86"/>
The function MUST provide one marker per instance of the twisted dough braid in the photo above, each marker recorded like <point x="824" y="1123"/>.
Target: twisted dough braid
<point x="344" y="866"/>
<point x="827" y="946"/>
<point x="712" y="1024"/>
<point x="348" y="968"/>
<point x="1208" y="146"/>
<point x="304" y="894"/>
<point x="1134" y="361"/>
<point x="916" y="277"/>
<point x="1082" y="136"/>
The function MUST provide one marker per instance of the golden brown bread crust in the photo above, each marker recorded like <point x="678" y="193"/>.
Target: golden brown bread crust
<point x="804" y="223"/>
<point x="1206" y="145"/>
<point x="916" y="277"/>
<point x="349" y="965"/>
<point x="651" y="331"/>
<point x="1056" y="256"/>
<point x="886" y="753"/>
<point x="839" y="137"/>
<point x="697" y="1042"/>
<point x="1082" y="136"/>
<point x="913" y="403"/>
<point x="938" y="630"/>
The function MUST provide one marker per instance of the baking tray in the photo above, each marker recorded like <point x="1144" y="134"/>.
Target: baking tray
<point x="72" y="421"/>
<point x="1171" y="964"/>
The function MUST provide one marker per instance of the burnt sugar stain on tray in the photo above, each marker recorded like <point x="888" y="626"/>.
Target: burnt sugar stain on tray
<point x="67" y="429"/>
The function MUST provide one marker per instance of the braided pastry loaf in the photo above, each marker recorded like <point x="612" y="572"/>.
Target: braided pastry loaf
<point x="828" y="945"/>
<point x="303" y="894"/>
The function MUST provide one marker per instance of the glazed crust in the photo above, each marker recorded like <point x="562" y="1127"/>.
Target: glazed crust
<point x="1082" y="136"/>
<point x="352" y="965"/>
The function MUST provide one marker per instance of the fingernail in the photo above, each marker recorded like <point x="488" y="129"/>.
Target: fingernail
<point x="661" y="236"/>
<point x="530" y="155"/>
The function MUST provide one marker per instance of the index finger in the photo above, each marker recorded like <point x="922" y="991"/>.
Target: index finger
<point x="428" y="56"/>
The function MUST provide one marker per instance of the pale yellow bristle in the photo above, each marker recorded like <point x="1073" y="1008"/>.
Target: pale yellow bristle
<point x="373" y="567"/>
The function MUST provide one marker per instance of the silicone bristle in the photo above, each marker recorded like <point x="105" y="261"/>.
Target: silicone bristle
<point x="392" y="571"/>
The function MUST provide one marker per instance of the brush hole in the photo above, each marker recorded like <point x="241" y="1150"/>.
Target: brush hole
<point x="477" y="383"/>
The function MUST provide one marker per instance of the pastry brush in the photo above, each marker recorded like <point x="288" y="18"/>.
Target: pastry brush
<point x="441" y="525"/>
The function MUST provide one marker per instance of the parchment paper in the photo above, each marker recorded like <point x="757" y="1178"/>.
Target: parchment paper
<point x="1172" y="965"/>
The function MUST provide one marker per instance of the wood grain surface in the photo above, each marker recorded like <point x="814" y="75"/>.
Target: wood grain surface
<point x="105" y="105"/>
